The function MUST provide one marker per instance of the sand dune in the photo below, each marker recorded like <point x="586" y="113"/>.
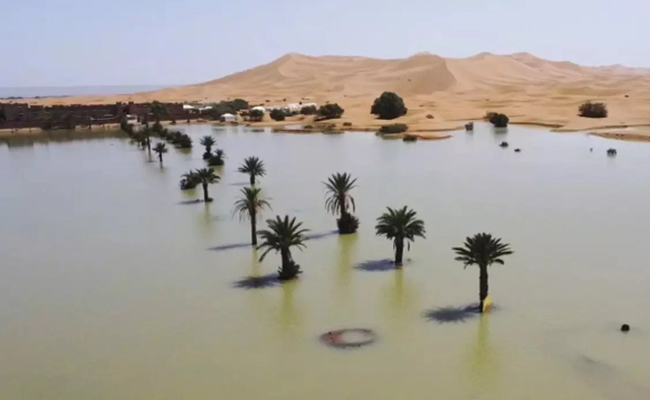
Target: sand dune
<point x="527" y="88"/>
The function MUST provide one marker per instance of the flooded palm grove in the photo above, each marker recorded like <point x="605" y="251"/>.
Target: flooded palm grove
<point x="115" y="284"/>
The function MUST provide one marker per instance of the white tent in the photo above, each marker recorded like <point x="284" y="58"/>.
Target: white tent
<point x="227" y="117"/>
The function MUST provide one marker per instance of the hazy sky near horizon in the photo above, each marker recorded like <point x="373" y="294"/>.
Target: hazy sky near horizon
<point x="140" y="42"/>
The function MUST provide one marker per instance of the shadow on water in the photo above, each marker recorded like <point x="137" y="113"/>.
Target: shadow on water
<point x="230" y="246"/>
<point x="233" y="246"/>
<point x="257" y="282"/>
<point x="378" y="265"/>
<point x="189" y="202"/>
<point x="452" y="314"/>
<point x="318" y="236"/>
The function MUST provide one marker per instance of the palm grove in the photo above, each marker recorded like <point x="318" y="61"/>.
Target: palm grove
<point x="284" y="233"/>
<point x="401" y="226"/>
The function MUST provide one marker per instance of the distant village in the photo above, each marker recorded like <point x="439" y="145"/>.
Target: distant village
<point x="25" y="116"/>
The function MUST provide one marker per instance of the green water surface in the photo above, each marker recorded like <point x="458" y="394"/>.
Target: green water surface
<point x="110" y="288"/>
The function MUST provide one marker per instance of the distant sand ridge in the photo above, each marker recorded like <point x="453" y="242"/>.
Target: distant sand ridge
<point x="528" y="89"/>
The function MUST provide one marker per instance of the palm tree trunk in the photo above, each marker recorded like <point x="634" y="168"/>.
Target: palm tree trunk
<point x="254" y="229"/>
<point x="399" y="252"/>
<point x="205" y="193"/>
<point x="483" y="285"/>
<point x="252" y="179"/>
<point x="149" y="148"/>
<point x="160" y="158"/>
<point x="286" y="265"/>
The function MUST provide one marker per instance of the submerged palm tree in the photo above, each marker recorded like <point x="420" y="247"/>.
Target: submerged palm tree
<point x="339" y="201"/>
<point x="249" y="205"/>
<point x="206" y="176"/>
<point x="399" y="225"/>
<point x="160" y="149"/>
<point x="253" y="166"/>
<point x="482" y="250"/>
<point x="217" y="159"/>
<point x="207" y="142"/>
<point x="189" y="181"/>
<point x="283" y="234"/>
<point x="146" y="135"/>
<point x="139" y="138"/>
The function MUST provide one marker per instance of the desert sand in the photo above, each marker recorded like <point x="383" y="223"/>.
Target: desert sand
<point x="530" y="90"/>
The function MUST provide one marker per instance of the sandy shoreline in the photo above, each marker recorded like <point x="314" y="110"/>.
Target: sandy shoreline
<point x="432" y="131"/>
<point x="440" y="93"/>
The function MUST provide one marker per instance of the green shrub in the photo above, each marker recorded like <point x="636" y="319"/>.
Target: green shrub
<point x="488" y="115"/>
<point x="157" y="127"/>
<point x="184" y="141"/>
<point x="256" y="115"/>
<point x="277" y="114"/>
<point x="308" y="110"/>
<point x="330" y="111"/>
<point x="593" y="110"/>
<point x="394" y="128"/>
<point x="388" y="106"/>
<point x="499" y="120"/>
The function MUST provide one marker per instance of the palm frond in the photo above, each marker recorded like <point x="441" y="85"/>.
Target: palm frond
<point x="207" y="141"/>
<point x="482" y="249"/>
<point x="250" y="203"/>
<point x="253" y="166"/>
<point x="206" y="176"/>
<point x="338" y="187"/>
<point x="400" y="224"/>
<point x="282" y="234"/>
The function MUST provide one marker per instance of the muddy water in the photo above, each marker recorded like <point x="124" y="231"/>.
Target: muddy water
<point x="112" y="284"/>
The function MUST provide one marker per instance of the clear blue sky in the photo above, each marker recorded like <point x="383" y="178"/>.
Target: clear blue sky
<point x="131" y="42"/>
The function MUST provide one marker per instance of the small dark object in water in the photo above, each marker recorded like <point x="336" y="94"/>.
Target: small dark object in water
<point x="469" y="126"/>
<point x="591" y="149"/>
<point x="625" y="328"/>
<point x="517" y="150"/>
<point x="336" y="339"/>
<point x="611" y="152"/>
<point x="503" y="144"/>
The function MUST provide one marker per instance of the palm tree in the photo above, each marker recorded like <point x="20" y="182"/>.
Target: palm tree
<point x="160" y="149"/>
<point x="254" y="167"/>
<point x="483" y="250"/>
<point x="217" y="159"/>
<point x="206" y="176"/>
<point x="338" y="201"/>
<point x="400" y="225"/>
<point x="249" y="205"/>
<point x="207" y="142"/>
<point x="158" y="110"/>
<point x="146" y="134"/>
<point x="283" y="234"/>
<point x="140" y="139"/>
<point x="189" y="181"/>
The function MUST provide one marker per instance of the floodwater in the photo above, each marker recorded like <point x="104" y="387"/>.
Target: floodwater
<point x="112" y="284"/>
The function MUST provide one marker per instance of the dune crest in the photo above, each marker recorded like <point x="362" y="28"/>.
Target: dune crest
<point x="528" y="88"/>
